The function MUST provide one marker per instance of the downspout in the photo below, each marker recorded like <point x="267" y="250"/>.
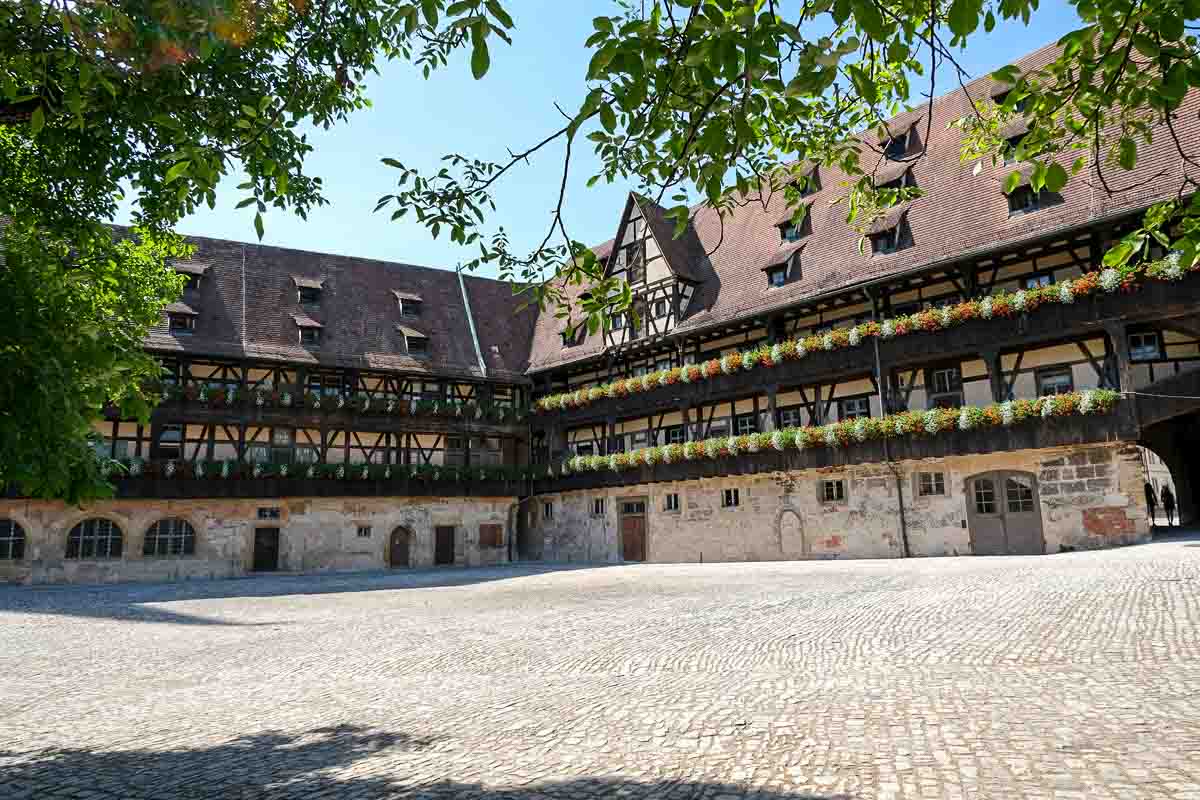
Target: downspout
<point x="471" y="321"/>
<point x="243" y="300"/>
<point x="887" y="455"/>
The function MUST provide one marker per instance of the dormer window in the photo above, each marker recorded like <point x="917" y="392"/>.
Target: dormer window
<point x="309" y="296"/>
<point x="794" y="231"/>
<point x="192" y="274"/>
<point x="777" y="276"/>
<point x="896" y="147"/>
<point x="809" y="184"/>
<point x="886" y="242"/>
<point x="410" y="304"/>
<point x="901" y="181"/>
<point x="1010" y="150"/>
<point x="572" y="336"/>
<point x="1024" y="200"/>
<point x="1019" y="106"/>
<point x="310" y="336"/>
<point x="191" y="282"/>
<point x="416" y="344"/>
<point x="181" y="323"/>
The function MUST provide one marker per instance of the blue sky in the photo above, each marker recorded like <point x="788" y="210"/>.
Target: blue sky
<point x="417" y="121"/>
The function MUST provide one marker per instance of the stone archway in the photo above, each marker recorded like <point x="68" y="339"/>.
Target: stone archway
<point x="400" y="548"/>
<point x="792" y="543"/>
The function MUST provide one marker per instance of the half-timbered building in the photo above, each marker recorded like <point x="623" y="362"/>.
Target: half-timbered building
<point x="961" y="375"/>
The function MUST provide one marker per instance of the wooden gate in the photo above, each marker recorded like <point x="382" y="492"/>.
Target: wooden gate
<point x="633" y="530"/>
<point x="1004" y="515"/>
<point x="443" y="544"/>
<point x="266" y="549"/>
<point x="398" y="548"/>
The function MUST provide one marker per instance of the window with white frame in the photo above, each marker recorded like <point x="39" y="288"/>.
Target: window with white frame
<point x="1037" y="281"/>
<point x="1145" y="346"/>
<point x="364" y="531"/>
<point x="181" y="323"/>
<point x="945" y="388"/>
<point x="789" y="417"/>
<point x="930" y="484"/>
<point x="671" y="502"/>
<point x="730" y="498"/>
<point x="745" y="424"/>
<point x="675" y="434"/>
<point x="833" y="491"/>
<point x="1055" y="381"/>
<point x="410" y="307"/>
<point x="310" y="336"/>
<point x="854" y="407"/>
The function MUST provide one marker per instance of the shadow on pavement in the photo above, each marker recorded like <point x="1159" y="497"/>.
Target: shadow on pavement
<point x="321" y="763"/>
<point x="130" y="601"/>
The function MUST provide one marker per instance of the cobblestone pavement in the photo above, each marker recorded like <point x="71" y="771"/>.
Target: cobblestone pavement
<point x="1065" y="676"/>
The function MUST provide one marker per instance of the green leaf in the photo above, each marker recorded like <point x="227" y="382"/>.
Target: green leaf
<point x="1127" y="152"/>
<point x="608" y="118"/>
<point x="1056" y="177"/>
<point x="480" y="60"/>
<point x="258" y="225"/>
<point x="1012" y="182"/>
<point x="178" y="170"/>
<point x="499" y="13"/>
<point x="964" y="17"/>
<point x="36" y="121"/>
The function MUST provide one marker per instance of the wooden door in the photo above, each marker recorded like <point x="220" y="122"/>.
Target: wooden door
<point x="633" y="530"/>
<point x="266" y="549"/>
<point x="398" y="548"/>
<point x="1004" y="515"/>
<point x="443" y="548"/>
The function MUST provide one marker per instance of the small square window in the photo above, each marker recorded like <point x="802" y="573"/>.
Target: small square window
<point x="583" y="449"/>
<point x="1055" y="381"/>
<point x="410" y="307"/>
<point x="671" y="502"/>
<point x="777" y="276"/>
<point x="745" y="424"/>
<point x="417" y="345"/>
<point x="930" y="484"/>
<point x="1145" y="346"/>
<point x="181" y="323"/>
<point x="1010" y="151"/>
<point x="730" y="498"/>
<point x="598" y="507"/>
<point x="1037" y="281"/>
<point x="985" y="496"/>
<point x="854" y="408"/>
<point x="833" y="491"/>
<point x="547" y="511"/>
<point x="675" y="434"/>
<point x="310" y="336"/>
<point x="789" y="417"/>
<point x="309" y="296"/>
<point x="364" y="531"/>
<point x="268" y="513"/>
<point x="1024" y="200"/>
<point x="660" y="309"/>
<point x="896" y="147"/>
<point x="191" y="281"/>
<point x="795" y="231"/>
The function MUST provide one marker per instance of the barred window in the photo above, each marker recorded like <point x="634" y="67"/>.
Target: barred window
<point x="12" y="541"/>
<point x="95" y="538"/>
<point x="833" y="491"/>
<point x="170" y="537"/>
<point x="931" y="483"/>
<point x="672" y="502"/>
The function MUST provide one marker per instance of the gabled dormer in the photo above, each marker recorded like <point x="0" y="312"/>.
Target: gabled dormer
<point x="661" y="270"/>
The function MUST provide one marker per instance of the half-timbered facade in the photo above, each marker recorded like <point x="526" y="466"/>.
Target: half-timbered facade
<point x="960" y="375"/>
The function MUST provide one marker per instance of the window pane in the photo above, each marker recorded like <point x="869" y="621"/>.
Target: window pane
<point x="1020" y="495"/>
<point x="985" y="496"/>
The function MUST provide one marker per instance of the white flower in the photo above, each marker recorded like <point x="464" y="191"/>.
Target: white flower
<point x="200" y="469"/>
<point x="256" y="470"/>
<point x="860" y="430"/>
<point x="169" y="470"/>
<point x="855" y="336"/>
<point x="800" y="441"/>
<point x="712" y="447"/>
<point x="316" y="401"/>
<point x="204" y="394"/>
<point x="752" y="445"/>
<point x="901" y="425"/>
<point x="391" y="405"/>
<point x="387" y="472"/>
<point x="230" y="396"/>
<point x="830" y="436"/>
<point x="727" y="365"/>
<point x="1174" y="269"/>
<point x="259" y="399"/>
<point x="1110" y="279"/>
<point x="985" y="308"/>
<point x="1047" y="406"/>
<point x="366" y="473"/>
<point x="135" y="467"/>
<point x="1008" y="413"/>
<point x="749" y="363"/>
<point x="651" y="456"/>
<point x="666" y="455"/>
<point x="612" y="463"/>
<point x="1020" y="299"/>
<point x="945" y="317"/>
<point x="225" y="469"/>
<point x="931" y="421"/>
<point x="286" y="399"/>
<point x="1087" y="402"/>
<point x="889" y="329"/>
<point x="663" y="378"/>
<point x="734" y="445"/>
<point x="776" y="353"/>
<point x="964" y="420"/>
<point x="801" y="350"/>
<point x="692" y="450"/>
<point x="685" y="374"/>
<point x="283" y="470"/>
<point x="1066" y="293"/>
<point x="649" y="381"/>
<point x="341" y="471"/>
<point x="827" y="341"/>
<point x="777" y="441"/>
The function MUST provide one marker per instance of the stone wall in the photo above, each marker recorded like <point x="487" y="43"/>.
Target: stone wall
<point x="1089" y="497"/>
<point x="315" y="534"/>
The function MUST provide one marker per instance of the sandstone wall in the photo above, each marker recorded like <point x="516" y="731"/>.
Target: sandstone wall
<point x="1089" y="497"/>
<point x="315" y="534"/>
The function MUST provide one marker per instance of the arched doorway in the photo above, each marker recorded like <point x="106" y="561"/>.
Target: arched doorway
<point x="398" y="549"/>
<point x="791" y="534"/>
<point x="1004" y="515"/>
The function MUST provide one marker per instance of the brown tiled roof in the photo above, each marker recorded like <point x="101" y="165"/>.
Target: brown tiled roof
<point x="683" y="254"/>
<point x="889" y="171"/>
<point x="785" y="251"/>
<point x="180" y="308"/>
<point x="961" y="212"/>
<point x="358" y="313"/>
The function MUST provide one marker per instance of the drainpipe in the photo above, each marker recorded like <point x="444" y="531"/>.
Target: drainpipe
<point x="462" y="286"/>
<point x="887" y="455"/>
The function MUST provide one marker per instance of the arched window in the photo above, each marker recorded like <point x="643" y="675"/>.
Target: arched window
<point x="170" y="537"/>
<point x="12" y="541"/>
<point x="94" y="538"/>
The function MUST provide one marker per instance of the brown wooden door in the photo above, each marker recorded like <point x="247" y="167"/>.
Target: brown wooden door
<point x="633" y="530"/>
<point x="398" y="549"/>
<point x="443" y="548"/>
<point x="266" y="549"/>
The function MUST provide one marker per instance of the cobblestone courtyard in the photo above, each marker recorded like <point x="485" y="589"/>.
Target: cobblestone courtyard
<point x="1065" y="676"/>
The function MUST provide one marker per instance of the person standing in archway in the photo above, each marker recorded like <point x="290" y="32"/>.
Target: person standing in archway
<point x="1151" y="502"/>
<point x="1168" y="501"/>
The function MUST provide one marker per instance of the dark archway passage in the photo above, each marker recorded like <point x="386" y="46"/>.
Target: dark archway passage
<point x="398" y="548"/>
